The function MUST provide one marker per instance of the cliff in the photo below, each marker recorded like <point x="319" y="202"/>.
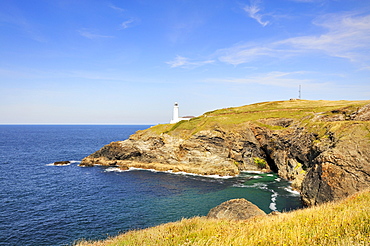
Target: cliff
<point x="323" y="147"/>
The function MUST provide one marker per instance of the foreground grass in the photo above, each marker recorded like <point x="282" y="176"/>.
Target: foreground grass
<point x="345" y="222"/>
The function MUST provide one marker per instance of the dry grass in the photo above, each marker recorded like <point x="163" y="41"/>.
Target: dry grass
<point x="345" y="222"/>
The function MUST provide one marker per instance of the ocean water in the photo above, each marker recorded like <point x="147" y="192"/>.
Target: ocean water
<point x="43" y="204"/>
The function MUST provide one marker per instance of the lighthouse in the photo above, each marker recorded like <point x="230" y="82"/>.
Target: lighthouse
<point x="175" y="117"/>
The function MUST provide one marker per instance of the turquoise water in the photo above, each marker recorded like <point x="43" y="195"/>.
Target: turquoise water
<point x="42" y="204"/>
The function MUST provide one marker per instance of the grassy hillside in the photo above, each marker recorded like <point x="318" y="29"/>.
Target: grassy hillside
<point x="299" y="110"/>
<point x="346" y="222"/>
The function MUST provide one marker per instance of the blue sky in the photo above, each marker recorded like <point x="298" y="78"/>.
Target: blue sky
<point x="127" y="62"/>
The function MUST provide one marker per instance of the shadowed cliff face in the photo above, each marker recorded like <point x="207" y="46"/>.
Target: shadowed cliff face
<point x="326" y="154"/>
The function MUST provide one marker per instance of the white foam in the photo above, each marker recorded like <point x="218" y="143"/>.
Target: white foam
<point x="142" y="169"/>
<point x="272" y="205"/>
<point x="278" y="179"/>
<point x="255" y="185"/>
<point x="293" y="192"/>
<point x="270" y="175"/>
<point x="112" y="169"/>
<point x="194" y="174"/>
<point x="62" y="165"/>
<point x="256" y="177"/>
<point x="256" y="172"/>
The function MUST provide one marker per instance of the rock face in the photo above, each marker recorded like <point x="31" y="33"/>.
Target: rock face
<point x="235" y="209"/>
<point x="326" y="154"/>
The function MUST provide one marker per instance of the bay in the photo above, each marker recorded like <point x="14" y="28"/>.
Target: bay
<point x="43" y="204"/>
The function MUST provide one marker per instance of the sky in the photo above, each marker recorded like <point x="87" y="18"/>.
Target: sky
<point x="129" y="61"/>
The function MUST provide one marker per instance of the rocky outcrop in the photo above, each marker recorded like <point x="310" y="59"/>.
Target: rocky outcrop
<point x="61" y="163"/>
<point x="340" y="170"/>
<point x="325" y="154"/>
<point x="235" y="209"/>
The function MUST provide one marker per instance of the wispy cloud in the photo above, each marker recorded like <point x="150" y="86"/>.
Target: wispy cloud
<point x="184" y="62"/>
<point x="116" y="8"/>
<point x="275" y="78"/>
<point x="127" y="24"/>
<point x="91" y="35"/>
<point x="15" y="17"/>
<point x="253" y="11"/>
<point x="307" y="1"/>
<point x="345" y="36"/>
<point x="244" y="53"/>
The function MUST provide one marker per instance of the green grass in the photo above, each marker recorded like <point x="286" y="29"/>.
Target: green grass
<point x="345" y="222"/>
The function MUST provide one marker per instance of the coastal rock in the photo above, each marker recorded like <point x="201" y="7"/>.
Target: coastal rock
<point x="338" y="172"/>
<point x="60" y="163"/>
<point x="326" y="155"/>
<point x="235" y="209"/>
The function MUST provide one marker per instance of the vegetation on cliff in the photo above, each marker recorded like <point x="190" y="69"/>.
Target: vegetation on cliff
<point x="345" y="222"/>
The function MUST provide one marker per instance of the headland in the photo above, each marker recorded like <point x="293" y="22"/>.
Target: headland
<point x="323" y="147"/>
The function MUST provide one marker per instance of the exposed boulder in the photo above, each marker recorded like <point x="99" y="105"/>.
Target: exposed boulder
<point x="363" y="114"/>
<point x="61" y="163"/>
<point x="235" y="209"/>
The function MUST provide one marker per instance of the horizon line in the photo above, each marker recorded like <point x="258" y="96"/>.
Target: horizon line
<point x="100" y="124"/>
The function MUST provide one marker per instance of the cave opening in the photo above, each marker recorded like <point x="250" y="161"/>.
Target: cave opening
<point x="270" y="161"/>
<point x="271" y="164"/>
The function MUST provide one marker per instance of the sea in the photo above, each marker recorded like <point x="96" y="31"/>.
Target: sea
<point x="44" y="204"/>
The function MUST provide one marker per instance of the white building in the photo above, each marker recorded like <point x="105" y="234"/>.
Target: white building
<point x="175" y="117"/>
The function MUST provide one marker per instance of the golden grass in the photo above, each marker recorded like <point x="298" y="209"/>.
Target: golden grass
<point x="346" y="222"/>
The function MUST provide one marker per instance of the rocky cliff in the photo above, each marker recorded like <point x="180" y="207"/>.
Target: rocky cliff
<point x="323" y="147"/>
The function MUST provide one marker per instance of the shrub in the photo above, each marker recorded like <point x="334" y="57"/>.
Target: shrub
<point x="261" y="163"/>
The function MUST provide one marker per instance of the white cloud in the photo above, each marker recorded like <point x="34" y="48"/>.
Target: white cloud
<point x="116" y="8"/>
<point x="14" y="16"/>
<point x="253" y="12"/>
<point x="244" y="53"/>
<point x="275" y="78"/>
<point x="345" y="36"/>
<point x="307" y="1"/>
<point x="127" y="24"/>
<point x="178" y="62"/>
<point x="184" y="62"/>
<point x="90" y="35"/>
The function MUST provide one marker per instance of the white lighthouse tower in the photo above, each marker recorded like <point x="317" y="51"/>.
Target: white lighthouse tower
<point x="175" y="117"/>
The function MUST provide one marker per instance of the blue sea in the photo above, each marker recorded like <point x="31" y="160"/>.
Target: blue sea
<point x="43" y="204"/>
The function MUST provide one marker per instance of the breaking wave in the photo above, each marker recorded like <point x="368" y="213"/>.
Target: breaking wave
<point x="291" y="191"/>
<point x="272" y="205"/>
<point x="116" y="169"/>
